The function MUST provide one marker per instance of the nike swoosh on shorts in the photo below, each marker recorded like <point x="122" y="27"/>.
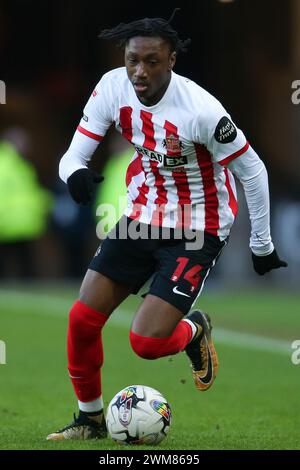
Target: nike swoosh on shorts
<point x="176" y="291"/>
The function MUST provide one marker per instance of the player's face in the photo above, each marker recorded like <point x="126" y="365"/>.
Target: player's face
<point x="149" y="62"/>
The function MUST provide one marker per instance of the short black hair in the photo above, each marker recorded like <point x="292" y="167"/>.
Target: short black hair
<point x="149" y="27"/>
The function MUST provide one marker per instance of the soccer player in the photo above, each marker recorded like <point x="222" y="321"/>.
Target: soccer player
<point x="180" y="180"/>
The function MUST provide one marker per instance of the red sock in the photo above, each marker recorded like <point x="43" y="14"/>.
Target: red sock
<point x="85" y="352"/>
<point x="152" y="348"/>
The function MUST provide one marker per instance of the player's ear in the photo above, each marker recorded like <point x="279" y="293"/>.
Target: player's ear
<point x="172" y="60"/>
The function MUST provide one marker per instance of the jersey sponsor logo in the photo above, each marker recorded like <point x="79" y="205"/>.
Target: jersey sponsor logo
<point x="157" y="157"/>
<point x="94" y="93"/>
<point x="85" y="118"/>
<point x="167" y="160"/>
<point x="225" y="131"/>
<point x="174" y="161"/>
<point x="172" y="143"/>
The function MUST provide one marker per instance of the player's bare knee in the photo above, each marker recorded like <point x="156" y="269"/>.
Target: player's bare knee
<point x="96" y="297"/>
<point x="100" y="305"/>
<point x="156" y="318"/>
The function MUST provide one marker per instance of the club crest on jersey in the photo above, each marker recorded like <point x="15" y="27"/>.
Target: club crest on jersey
<point x="172" y="144"/>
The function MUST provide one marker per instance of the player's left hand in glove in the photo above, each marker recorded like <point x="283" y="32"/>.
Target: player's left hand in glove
<point x="82" y="184"/>
<point x="264" y="264"/>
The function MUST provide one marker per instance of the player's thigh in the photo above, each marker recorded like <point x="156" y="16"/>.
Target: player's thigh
<point x="102" y="293"/>
<point x="156" y="318"/>
<point x="120" y="267"/>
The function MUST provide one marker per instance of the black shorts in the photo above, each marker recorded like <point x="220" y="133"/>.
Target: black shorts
<point x="178" y="272"/>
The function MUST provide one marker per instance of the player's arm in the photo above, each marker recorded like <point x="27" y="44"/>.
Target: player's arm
<point x="73" y="167"/>
<point x="252" y="173"/>
<point x="230" y="148"/>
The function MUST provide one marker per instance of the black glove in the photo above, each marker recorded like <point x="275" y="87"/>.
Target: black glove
<point x="264" y="264"/>
<point x="82" y="185"/>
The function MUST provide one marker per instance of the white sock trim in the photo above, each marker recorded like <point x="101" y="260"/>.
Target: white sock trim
<point x="192" y="325"/>
<point x="91" y="406"/>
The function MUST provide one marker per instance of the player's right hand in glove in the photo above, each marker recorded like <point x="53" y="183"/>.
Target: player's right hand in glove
<point x="264" y="264"/>
<point x="82" y="185"/>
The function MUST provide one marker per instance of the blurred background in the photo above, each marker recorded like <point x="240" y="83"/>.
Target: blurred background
<point x="245" y="52"/>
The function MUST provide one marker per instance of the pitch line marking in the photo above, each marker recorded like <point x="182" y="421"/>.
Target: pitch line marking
<point x="59" y="307"/>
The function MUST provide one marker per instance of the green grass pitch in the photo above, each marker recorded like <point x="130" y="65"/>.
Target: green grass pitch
<point x="254" y="403"/>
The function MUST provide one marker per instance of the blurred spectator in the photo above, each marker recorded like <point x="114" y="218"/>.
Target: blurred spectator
<point x="111" y="195"/>
<point x="73" y="227"/>
<point x="24" y="205"/>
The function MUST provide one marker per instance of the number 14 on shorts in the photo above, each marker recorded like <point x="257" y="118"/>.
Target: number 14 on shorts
<point x="192" y="275"/>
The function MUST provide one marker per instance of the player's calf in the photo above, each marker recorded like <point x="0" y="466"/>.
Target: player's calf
<point x="153" y="348"/>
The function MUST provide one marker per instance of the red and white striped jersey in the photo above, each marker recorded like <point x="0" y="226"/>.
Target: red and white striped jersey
<point x="177" y="175"/>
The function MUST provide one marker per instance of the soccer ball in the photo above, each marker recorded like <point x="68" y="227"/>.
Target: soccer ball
<point x="138" y="415"/>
